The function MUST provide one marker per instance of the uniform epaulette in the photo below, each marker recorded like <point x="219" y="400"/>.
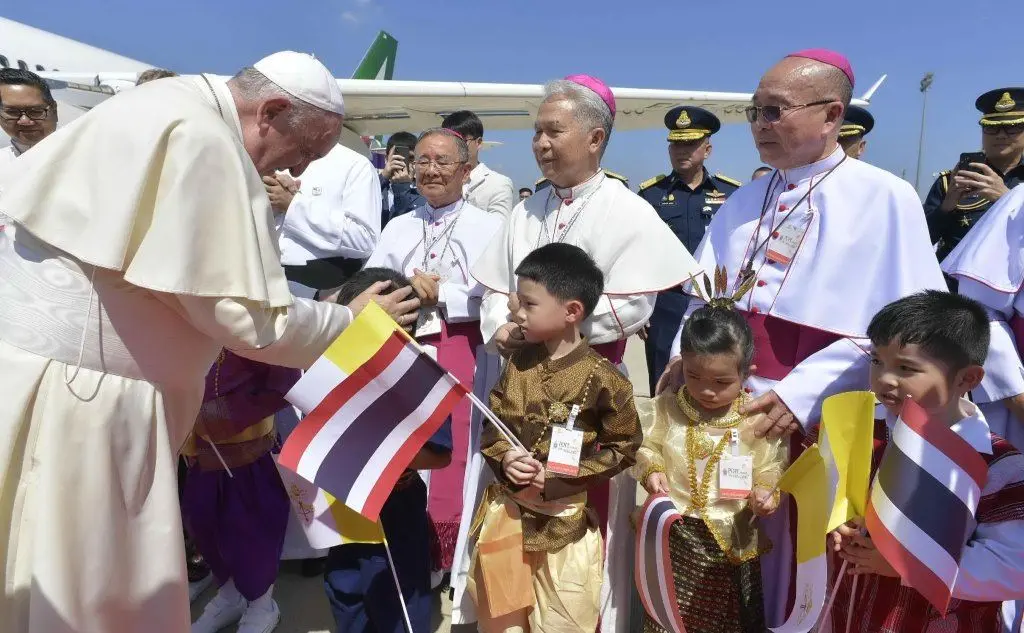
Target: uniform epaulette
<point x="731" y="181"/>
<point x="540" y="181"/>
<point x="619" y="177"/>
<point x="944" y="180"/>
<point x="650" y="182"/>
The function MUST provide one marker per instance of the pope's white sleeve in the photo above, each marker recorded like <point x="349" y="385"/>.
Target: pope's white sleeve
<point x="290" y="337"/>
<point x="461" y="302"/>
<point x="842" y="366"/>
<point x="676" y="342"/>
<point x="992" y="567"/>
<point x="1004" y="373"/>
<point x="618" y="316"/>
<point x="493" y="314"/>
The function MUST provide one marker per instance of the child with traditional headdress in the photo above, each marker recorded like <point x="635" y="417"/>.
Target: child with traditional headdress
<point x="691" y="437"/>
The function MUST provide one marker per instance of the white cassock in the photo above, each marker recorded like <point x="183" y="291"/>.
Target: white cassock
<point x="145" y="244"/>
<point x="7" y="156"/>
<point x="989" y="266"/>
<point x="639" y="256"/>
<point x="333" y="222"/>
<point x="857" y="240"/>
<point x="457" y="235"/>
<point x="489" y="190"/>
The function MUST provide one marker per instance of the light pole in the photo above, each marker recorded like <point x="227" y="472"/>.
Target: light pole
<point x="926" y="83"/>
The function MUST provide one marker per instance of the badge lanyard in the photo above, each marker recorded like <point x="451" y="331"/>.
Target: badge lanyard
<point x="748" y="270"/>
<point x="448" y="231"/>
<point x="554" y="237"/>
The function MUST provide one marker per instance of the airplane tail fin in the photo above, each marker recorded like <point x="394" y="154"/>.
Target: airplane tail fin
<point x="379" y="60"/>
<point x="874" y="88"/>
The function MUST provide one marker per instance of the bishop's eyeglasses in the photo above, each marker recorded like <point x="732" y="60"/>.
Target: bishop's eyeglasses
<point x="774" y="113"/>
<point x="35" y="113"/>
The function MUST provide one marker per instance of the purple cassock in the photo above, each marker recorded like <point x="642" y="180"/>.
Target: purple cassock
<point x="238" y="522"/>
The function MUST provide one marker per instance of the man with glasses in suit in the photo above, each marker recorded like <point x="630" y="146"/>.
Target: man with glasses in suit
<point x="28" y="112"/>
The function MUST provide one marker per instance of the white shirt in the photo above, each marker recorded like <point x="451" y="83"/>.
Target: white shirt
<point x="7" y="156"/>
<point x="446" y="241"/>
<point x="489" y="190"/>
<point x="336" y="212"/>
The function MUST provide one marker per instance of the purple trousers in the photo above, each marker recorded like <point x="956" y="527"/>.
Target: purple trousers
<point x="238" y="524"/>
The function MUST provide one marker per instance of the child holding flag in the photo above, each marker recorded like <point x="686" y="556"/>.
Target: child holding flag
<point x="930" y="348"/>
<point x="359" y="583"/>
<point x="701" y="452"/>
<point x="538" y="561"/>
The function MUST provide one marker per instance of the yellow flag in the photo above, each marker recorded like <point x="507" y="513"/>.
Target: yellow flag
<point x="847" y="431"/>
<point x="352" y="526"/>
<point x="807" y="481"/>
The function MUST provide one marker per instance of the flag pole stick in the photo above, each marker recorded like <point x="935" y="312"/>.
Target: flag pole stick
<point x="835" y="592"/>
<point x="398" y="586"/>
<point x="505" y="432"/>
<point x="223" y="463"/>
<point x="853" y="601"/>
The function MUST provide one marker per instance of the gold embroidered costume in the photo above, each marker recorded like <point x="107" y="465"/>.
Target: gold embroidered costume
<point x="538" y="561"/>
<point x="714" y="549"/>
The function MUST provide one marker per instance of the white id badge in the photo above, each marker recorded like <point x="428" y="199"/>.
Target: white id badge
<point x="566" y="447"/>
<point x="428" y="323"/>
<point x="782" y="249"/>
<point x="735" y="476"/>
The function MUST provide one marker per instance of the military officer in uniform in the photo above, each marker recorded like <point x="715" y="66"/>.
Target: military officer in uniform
<point x="959" y="197"/>
<point x="856" y="124"/>
<point x="686" y="200"/>
<point x="543" y="182"/>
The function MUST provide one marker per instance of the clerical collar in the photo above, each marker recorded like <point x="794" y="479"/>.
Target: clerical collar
<point x="799" y="174"/>
<point x="588" y="186"/>
<point x="439" y="212"/>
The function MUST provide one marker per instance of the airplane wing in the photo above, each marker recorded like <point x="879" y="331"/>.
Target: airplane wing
<point x="384" y="107"/>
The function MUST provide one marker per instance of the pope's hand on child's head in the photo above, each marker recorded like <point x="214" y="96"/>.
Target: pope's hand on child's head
<point x="763" y="501"/>
<point x="657" y="483"/>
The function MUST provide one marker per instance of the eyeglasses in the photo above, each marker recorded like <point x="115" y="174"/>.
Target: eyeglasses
<point x="774" y="114"/>
<point x="37" y="113"/>
<point x="1009" y="130"/>
<point x="443" y="165"/>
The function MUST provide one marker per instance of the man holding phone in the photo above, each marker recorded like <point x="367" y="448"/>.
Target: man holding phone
<point x="397" y="182"/>
<point x="959" y="198"/>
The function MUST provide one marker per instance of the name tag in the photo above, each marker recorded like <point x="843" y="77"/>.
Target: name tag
<point x="735" y="471"/>
<point x="782" y="249"/>
<point x="566" y="447"/>
<point x="428" y="323"/>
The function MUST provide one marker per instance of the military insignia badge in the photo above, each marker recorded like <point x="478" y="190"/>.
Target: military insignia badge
<point x="683" y="120"/>
<point x="1005" y="103"/>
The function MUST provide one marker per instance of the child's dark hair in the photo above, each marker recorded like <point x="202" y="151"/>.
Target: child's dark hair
<point x="358" y="283"/>
<point x="565" y="271"/>
<point x="718" y="330"/>
<point x="948" y="327"/>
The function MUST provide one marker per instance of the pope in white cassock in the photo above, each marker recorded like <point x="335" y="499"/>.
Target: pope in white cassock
<point x="145" y="243"/>
<point x="635" y="250"/>
<point x="830" y="240"/>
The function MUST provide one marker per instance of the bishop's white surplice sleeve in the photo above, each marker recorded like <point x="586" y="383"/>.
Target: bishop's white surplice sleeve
<point x="1004" y="373"/>
<point x="618" y="316"/>
<point x="842" y="366"/>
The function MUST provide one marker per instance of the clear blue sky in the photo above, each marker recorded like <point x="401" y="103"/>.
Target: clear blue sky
<point x="969" y="46"/>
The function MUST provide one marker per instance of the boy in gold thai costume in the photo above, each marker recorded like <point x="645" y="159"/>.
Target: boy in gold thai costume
<point x="701" y="452"/>
<point x="538" y="561"/>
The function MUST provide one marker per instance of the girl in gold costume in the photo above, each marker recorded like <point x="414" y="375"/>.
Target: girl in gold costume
<point x="700" y="451"/>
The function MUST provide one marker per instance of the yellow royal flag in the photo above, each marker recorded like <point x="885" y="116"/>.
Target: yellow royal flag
<point x="847" y="431"/>
<point x="806" y="481"/>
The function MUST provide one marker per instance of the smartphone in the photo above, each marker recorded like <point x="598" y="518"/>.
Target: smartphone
<point x="967" y="158"/>
<point x="405" y="152"/>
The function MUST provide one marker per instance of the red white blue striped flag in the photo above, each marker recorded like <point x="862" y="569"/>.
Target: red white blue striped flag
<point x="654" y="579"/>
<point x="923" y="503"/>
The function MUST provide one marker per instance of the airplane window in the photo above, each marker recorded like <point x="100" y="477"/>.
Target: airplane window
<point x="39" y="67"/>
<point x="22" y="65"/>
<point x="4" y="62"/>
